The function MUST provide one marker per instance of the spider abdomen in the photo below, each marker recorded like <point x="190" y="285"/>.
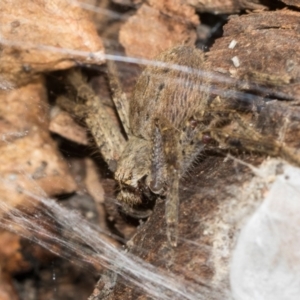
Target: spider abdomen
<point x="173" y="90"/>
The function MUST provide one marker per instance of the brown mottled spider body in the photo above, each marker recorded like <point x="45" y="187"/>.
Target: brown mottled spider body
<point x="163" y="139"/>
<point x="168" y="122"/>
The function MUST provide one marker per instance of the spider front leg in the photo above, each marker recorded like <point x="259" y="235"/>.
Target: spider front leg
<point x="166" y="172"/>
<point x="82" y="102"/>
<point x="119" y="97"/>
<point x="244" y="136"/>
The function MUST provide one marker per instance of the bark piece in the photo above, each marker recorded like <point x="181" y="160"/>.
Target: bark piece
<point x="227" y="6"/>
<point x="18" y="255"/>
<point x="209" y="6"/>
<point x="177" y="9"/>
<point x="163" y="24"/>
<point x="26" y="146"/>
<point x="11" y="258"/>
<point x="7" y="291"/>
<point x="259" y="52"/>
<point x="63" y="124"/>
<point x="292" y="2"/>
<point x="41" y="36"/>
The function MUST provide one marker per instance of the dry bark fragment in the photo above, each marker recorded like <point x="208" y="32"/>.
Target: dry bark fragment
<point x="162" y="24"/>
<point x="7" y="292"/>
<point x="292" y="2"/>
<point x="259" y="52"/>
<point x="63" y="124"/>
<point x="11" y="259"/>
<point x="20" y="135"/>
<point x="177" y="9"/>
<point x="227" y="6"/>
<point x="209" y="6"/>
<point x="41" y="36"/>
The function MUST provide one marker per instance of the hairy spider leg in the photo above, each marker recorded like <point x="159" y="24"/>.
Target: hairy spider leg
<point x="166" y="172"/>
<point x="118" y="96"/>
<point x="248" y="138"/>
<point x="109" y="140"/>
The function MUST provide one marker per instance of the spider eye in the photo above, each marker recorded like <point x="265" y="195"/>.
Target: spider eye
<point x="206" y="139"/>
<point x="193" y="123"/>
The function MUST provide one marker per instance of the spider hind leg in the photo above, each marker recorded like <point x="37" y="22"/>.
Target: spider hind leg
<point x="166" y="171"/>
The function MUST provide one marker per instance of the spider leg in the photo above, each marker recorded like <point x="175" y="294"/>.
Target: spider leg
<point x="78" y="109"/>
<point x="166" y="171"/>
<point x="135" y="213"/>
<point x="158" y="170"/>
<point x="107" y="136"/>
<point x="119" y="97"/>
<point x="246" y="137"/>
